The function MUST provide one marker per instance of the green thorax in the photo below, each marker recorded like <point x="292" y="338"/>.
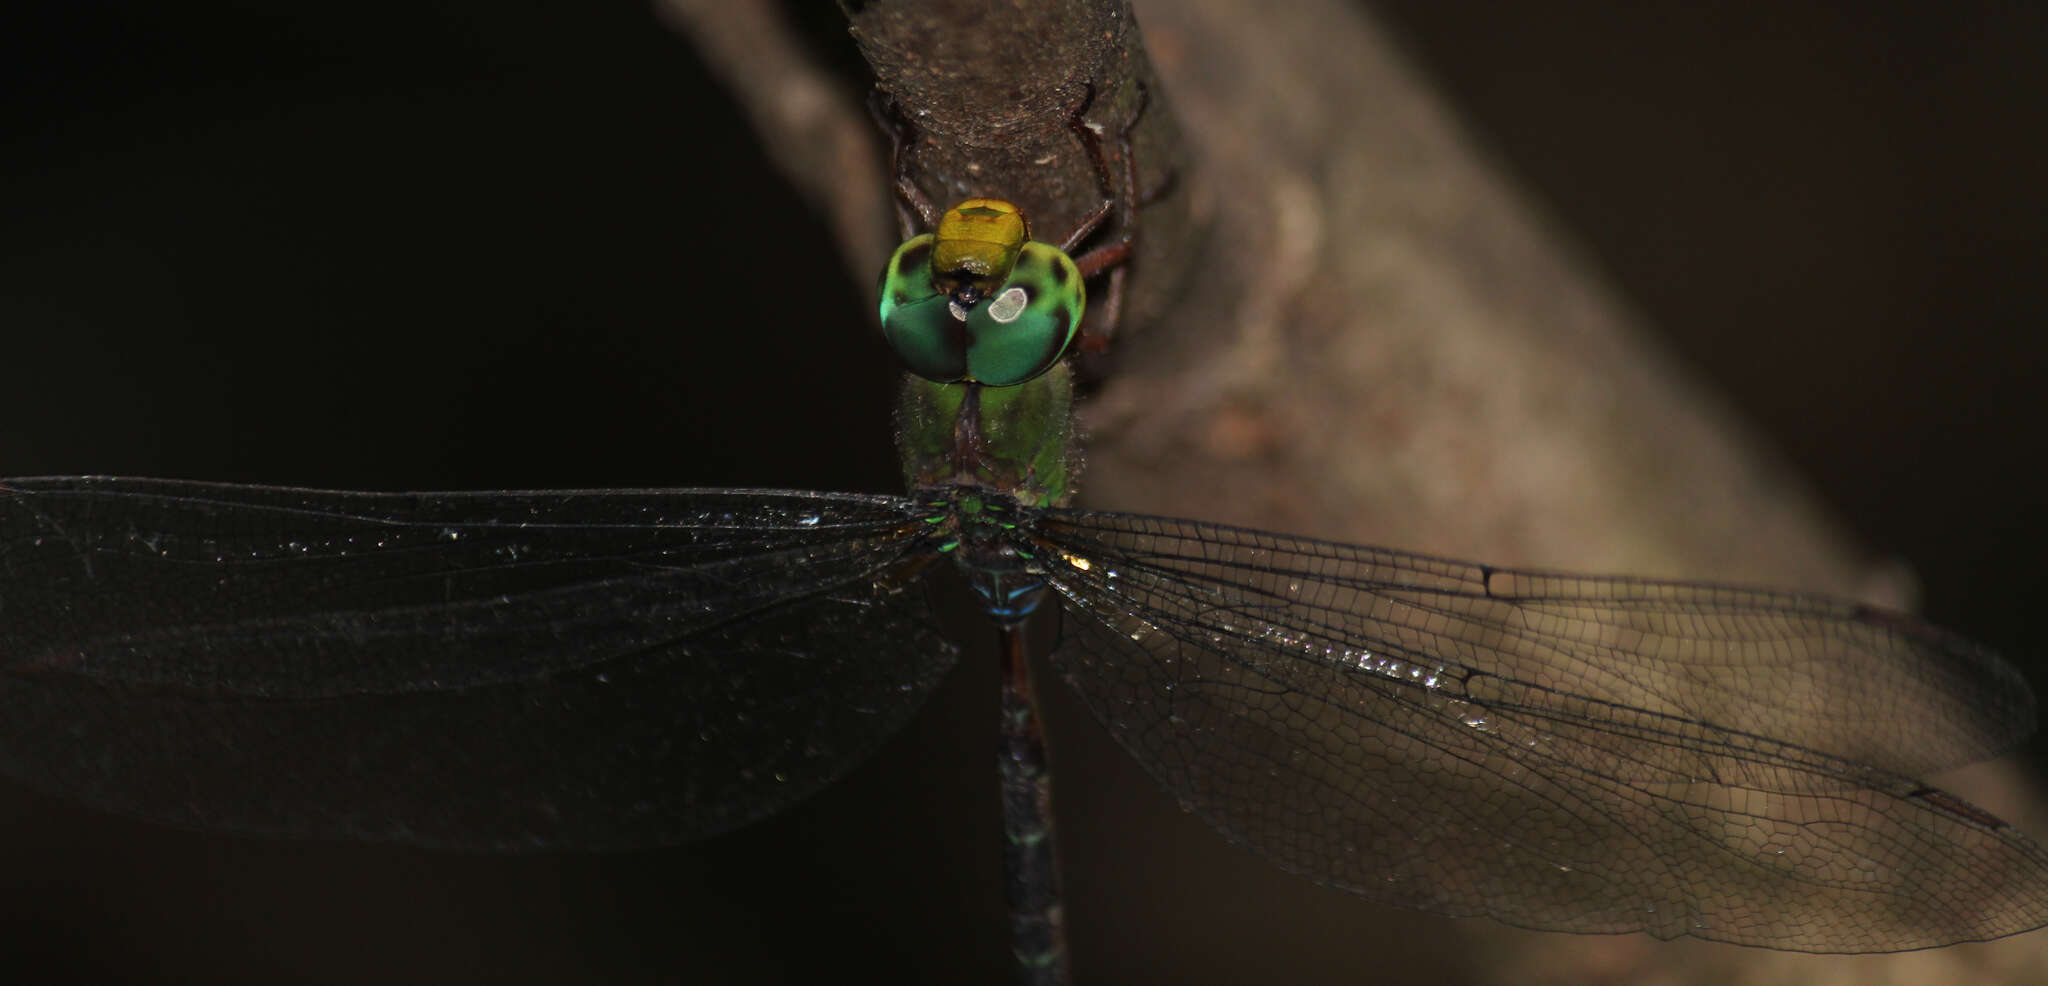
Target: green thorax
<point x="1018" y="440"/>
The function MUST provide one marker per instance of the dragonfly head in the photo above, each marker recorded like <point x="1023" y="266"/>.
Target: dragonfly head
<point x="978" y="300"/>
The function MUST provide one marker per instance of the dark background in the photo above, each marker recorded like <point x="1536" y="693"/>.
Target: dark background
<point x="463" y="245"/>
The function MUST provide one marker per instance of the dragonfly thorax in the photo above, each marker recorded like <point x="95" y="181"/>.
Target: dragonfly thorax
<point x="1018" y="440"/>
<point x="989" y="544"/>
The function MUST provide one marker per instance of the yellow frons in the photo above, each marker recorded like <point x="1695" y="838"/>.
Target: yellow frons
<point x="978" y="241"/>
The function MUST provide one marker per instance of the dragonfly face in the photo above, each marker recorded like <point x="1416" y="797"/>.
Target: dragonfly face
<point x="977" y="301"/>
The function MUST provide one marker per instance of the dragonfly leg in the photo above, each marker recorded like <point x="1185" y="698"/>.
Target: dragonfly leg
<point x="913" y="206"/>
<point x="1120" y="195"/>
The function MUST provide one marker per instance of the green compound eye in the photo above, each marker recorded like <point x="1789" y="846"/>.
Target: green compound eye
<point x="1022" y="329"/>
<point x="1016" y="332"/>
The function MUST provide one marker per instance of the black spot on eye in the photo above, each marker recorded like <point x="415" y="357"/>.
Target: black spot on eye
<point x="1055" y="344"/>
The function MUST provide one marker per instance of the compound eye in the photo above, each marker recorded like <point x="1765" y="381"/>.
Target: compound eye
<point x="1025" y="326"/>
<point x="918" y="319"/>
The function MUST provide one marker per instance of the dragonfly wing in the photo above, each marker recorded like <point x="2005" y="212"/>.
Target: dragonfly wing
<point x="483" y="670"/>
<point x="1556" y="752"/>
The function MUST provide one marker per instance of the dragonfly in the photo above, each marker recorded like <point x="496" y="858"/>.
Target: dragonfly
<point x="612" y="669"/>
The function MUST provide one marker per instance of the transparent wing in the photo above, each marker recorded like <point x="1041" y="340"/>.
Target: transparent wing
<point x="487" y="670"/>
<point x="1558" y="752"/>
